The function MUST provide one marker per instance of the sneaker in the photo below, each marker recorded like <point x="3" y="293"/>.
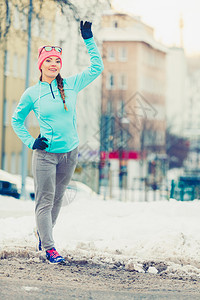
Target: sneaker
<point x="54" y="257"/>
<point x="39" y="243"/>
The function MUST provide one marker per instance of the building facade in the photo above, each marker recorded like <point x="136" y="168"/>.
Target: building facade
<point x="176" y="100"/>
<point x="191" y="116"/>
<point x="133" y="89"/>
<point x="13" y="76"/>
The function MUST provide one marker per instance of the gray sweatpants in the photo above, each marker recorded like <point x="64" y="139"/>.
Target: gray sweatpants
<point x="52" y="173"/>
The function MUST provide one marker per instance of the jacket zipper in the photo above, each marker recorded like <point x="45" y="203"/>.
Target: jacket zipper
<point x="52" y="91"/>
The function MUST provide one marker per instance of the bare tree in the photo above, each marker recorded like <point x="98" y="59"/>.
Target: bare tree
<point x="5" y="19"/>
<point x="177" y="149"/>
<point x="72" y="10"/>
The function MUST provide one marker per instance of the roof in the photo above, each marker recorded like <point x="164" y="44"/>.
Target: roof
<point x="112" y="12"/>
<point x="130" y="35"/>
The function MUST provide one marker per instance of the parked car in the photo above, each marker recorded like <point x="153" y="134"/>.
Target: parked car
<point x="10" y="185"/>
<point x="9" y="188"/>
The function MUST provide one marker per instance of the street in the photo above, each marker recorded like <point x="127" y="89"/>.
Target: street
<point x="29" y="278"/>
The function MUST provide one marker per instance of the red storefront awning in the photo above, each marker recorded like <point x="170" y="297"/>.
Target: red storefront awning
<point x="117" y="154"/>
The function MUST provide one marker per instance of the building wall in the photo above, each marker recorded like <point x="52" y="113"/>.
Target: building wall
<point x="152" y="78"/>
<point x="42" y="33"/>
<point x="177" y="94"/>
<point x="127" y="67"/>
<point x="139" y="127"/>
<point x="1" y="102"/>
<point x="145" y="74"/>
<point x="121" y="20"/>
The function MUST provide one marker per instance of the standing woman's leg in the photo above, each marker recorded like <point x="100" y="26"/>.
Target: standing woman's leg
<point x="44" y="173"/>
<point x="64" y="172"/>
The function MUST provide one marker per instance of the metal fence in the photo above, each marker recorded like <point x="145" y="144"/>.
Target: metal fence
<point x="183" y="191"/>
<point x="114" y="186"/>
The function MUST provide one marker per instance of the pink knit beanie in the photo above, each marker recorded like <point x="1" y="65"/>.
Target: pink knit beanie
<point x="46" y="54"/>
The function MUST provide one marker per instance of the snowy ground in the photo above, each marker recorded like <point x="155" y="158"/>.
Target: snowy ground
<point x="135" y="234"/>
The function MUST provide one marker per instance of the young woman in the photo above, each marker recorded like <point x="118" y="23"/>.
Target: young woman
<point x="53" y="100"/>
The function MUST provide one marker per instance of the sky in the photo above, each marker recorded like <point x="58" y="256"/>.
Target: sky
<point x="164" y="17"/>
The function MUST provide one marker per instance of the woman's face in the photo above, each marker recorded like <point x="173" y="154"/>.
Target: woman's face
<point x="50" y="67"/>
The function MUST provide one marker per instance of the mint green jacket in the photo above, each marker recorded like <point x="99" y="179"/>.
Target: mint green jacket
<point x="56" y="124"/>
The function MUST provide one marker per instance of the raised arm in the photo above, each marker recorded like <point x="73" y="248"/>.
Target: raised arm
<point x="96" y="67"/>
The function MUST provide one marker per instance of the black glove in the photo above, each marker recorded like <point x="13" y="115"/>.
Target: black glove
<point x="39" y="144"/>
<point x="86" y="31"/>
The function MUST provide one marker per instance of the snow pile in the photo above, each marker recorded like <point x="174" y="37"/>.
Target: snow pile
<point x="132" y="233"/>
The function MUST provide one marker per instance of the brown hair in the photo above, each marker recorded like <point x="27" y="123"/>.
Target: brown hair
<point x="59" y="80"/>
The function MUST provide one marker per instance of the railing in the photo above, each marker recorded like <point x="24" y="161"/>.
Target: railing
<point x="183" y="191"/>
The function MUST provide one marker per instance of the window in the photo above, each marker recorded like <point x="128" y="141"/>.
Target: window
<point x="36" y="28"/>
<point x="154" y="137"/>
<point x="152" y="85"/>
<point x="111" y="54"/>
<point x="15" y="65"/>
<point x="7" y="63"/>
<point x="49" y="30"/>
<point x="34" y="70"/>
<point x="42" y="28"/>
<point x="5" y="162"/>
<point x="160" y="111"/>
<point x="16" y="21"/>
<point x="13" y="163"/>
<point x="23" y="19"/>
<point x="109" y="107"/>
<point x="19" y="163"/>
<point x="5" y="108"/>
<point x="149" y="137"/>
<point x="123" y="54"/>
<point x="22" y="67"/>
<point x="110" y="81"/>
<point x="122" y="81"/>
<point x="160" y="62"/>
<point x="14" y="105"/>
<point x="115" y="24"/>
<point x="150" y="56"/>
<point x="120" y="108"/>
<point x="160" y="138"/>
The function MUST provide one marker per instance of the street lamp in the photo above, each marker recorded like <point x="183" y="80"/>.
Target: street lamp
<point x="24" y="148"/>
<point x="124" y="122"/>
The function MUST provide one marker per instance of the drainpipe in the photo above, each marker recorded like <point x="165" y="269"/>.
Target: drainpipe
<point x="3" y="106"/>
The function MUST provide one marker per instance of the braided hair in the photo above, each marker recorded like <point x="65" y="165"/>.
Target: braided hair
<point x="59" y="80"/>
